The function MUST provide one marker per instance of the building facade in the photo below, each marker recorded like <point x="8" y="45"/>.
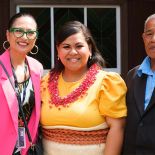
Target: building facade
<point x="117" y="26"/>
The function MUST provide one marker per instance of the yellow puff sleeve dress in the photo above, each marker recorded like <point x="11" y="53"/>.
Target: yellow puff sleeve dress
<point x="105" y="97"/>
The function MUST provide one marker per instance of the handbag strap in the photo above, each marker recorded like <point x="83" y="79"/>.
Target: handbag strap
<point x="7" y="74"/>
<point x="19" y="103"/>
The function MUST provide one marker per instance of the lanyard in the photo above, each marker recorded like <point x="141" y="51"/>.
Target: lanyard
<point x="24" y="84"/>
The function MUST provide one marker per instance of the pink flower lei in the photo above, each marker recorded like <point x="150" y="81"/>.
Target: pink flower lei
<point x="75" y="94"/>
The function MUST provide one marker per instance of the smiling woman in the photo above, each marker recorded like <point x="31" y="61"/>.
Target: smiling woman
<point x="83" y="107"/>
<point x="25" y="73"/>
<point x="16" y="35"/>
<point x="74" y="53"/>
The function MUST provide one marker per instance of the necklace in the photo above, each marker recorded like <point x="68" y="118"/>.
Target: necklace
<point x="20" y="85"/>
<point x="75" y="94"/>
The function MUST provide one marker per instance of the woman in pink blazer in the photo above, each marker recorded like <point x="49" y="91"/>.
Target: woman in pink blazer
<point x="25" y="73"/>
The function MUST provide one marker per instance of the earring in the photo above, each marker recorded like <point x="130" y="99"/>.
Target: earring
<point x="4" y="44"/>
<point x="90" y="57"/>
<point x="58" y="58"/>
<point x="36" y="50"/>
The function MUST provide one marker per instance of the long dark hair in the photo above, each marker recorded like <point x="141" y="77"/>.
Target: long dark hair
<point x="73" y="27"/>
<point x="18" y="15"/>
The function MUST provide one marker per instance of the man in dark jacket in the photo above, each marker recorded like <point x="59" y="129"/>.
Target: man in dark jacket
<point x="140" y="126"/>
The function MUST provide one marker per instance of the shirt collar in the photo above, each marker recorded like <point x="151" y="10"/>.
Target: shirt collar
<point x="145" y="67"/>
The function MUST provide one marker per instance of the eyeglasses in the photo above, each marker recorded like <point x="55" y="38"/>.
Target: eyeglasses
<point x="149" y="34"/>
<point x="19" y="32"/>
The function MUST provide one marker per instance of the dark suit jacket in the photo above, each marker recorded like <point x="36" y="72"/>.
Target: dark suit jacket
<point x="140" y="126"/>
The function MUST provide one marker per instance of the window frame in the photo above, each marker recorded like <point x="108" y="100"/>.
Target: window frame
<point x="122" y="4"/>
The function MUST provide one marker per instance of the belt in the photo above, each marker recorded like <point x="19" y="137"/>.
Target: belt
<point x="68" y="136"/>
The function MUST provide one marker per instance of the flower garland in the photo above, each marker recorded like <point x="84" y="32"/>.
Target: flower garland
<point x="74" y="95"/>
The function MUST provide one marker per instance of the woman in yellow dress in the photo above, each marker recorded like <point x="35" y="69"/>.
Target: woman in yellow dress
<point x="83" y="107"/>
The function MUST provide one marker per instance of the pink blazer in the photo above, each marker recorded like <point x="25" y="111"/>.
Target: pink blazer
<point x="9" y="105"/>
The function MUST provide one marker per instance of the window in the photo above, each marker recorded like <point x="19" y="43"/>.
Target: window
<point x="103" y="22"/>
